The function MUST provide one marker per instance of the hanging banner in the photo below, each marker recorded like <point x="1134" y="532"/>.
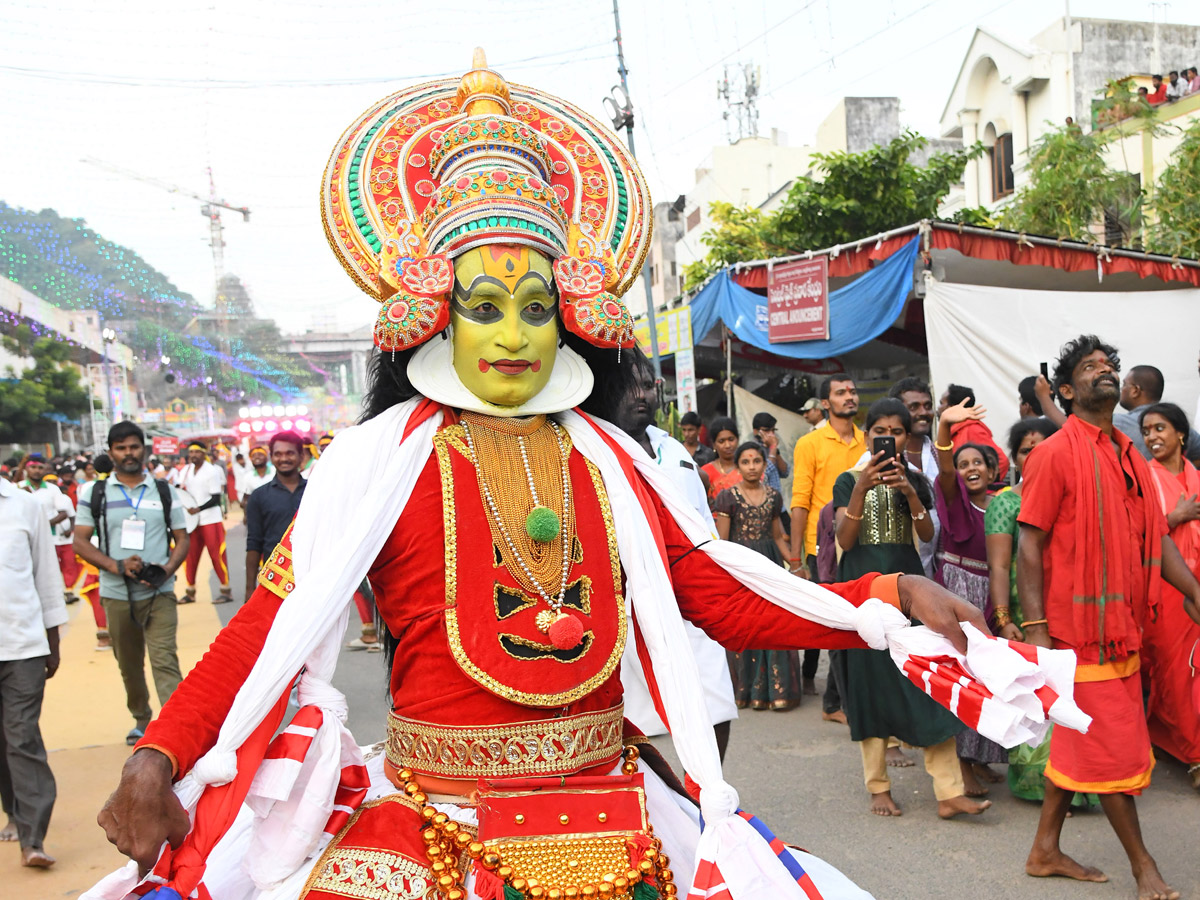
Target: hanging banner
<point x="798" y="301"/>
<point x="685" y="381"/>
<point x="674" y="328"/>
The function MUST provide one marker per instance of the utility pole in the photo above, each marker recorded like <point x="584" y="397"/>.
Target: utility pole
<point x="620" y="107"/>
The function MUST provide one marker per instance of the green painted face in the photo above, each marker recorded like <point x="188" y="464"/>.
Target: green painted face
<point x="505" y="326"/>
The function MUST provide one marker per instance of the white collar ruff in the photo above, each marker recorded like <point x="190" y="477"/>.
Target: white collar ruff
<point x="431" y="371"/>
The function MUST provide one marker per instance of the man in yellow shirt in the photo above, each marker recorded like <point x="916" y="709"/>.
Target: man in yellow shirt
<point x="820" y="457"/>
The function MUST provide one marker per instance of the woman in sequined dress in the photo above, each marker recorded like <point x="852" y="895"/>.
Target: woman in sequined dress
<point x="748" y="514"/>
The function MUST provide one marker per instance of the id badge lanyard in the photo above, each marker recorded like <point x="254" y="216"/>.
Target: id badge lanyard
<point x="133" y="529"/>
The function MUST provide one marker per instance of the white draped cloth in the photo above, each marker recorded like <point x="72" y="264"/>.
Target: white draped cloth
<point x="351" y="505"/>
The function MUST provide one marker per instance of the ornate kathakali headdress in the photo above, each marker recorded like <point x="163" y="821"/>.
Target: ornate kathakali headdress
<point x="435" y="170"/>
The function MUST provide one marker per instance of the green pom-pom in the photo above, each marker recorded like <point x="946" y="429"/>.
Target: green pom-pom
<point x="511" y="893"/>
<point x="542" y="524"/>
<point x="643" y="891"/>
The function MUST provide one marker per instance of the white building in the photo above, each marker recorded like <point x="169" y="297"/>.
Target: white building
<point x="1009" y="92"/>
<point x="744" y="174"/>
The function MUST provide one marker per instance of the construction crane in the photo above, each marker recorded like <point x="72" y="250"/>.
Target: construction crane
<point x="210" y="208"/>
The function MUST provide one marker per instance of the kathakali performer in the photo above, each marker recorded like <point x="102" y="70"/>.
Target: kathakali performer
<point x="504" y="524"/>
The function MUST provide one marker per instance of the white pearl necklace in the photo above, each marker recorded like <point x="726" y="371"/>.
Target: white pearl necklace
<point x="555" y="603"/>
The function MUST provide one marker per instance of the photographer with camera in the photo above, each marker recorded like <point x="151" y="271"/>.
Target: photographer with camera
<point x="142" y="540"/>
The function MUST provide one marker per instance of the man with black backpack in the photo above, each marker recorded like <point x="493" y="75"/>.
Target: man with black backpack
<point x="136" y="519"/>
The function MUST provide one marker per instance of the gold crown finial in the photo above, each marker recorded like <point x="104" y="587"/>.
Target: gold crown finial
<point x="483" y="92"/>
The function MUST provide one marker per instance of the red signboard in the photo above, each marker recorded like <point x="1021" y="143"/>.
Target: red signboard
<point x="164" y="446"/>
<point x="798" y="301"/>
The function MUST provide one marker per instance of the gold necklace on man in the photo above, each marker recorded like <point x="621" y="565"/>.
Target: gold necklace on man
<point x="521" y="467"/>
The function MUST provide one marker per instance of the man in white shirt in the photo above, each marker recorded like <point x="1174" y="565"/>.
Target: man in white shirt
<point x="59" y="512"/>
<point x="204" y="484"/>
<point x="634" y="418"/>
<point x="32" y="609"/>
<point x="259" y="473"/>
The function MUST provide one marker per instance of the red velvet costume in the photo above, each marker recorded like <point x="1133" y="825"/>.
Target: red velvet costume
<point x="430" y="681"/>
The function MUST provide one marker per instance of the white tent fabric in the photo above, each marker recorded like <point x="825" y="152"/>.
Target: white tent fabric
<point x="991" y="337"/>
<point x="789" y="428"/>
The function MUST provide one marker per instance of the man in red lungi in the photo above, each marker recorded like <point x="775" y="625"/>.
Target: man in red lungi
<point x="1092" y="557"/>
<point x="205" y="483"/>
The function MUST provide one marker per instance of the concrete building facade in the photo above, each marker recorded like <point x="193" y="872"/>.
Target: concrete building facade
<point x="1009" y="92"/>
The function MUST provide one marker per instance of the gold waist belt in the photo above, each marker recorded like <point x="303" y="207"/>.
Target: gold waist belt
<point x="544" y="747"/>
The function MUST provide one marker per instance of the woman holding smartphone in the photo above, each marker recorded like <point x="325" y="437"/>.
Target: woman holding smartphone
<point x="964" y="475"/>
<point x="881" y="512"/>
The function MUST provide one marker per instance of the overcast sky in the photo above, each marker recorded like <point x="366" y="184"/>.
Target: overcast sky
<point x="259" y="90"/>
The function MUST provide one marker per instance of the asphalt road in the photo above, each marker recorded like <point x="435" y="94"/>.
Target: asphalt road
<point x="803" y="777"/>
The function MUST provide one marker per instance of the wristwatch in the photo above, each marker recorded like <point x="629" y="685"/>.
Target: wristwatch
<point x="920" y="517"/>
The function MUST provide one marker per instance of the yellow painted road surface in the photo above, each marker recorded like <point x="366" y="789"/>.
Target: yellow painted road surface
<point x="84" y="723"/>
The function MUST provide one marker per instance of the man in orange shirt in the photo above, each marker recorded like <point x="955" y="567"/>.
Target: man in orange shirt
<point x="819" y="458"/>
<point x="1092" y="556"/>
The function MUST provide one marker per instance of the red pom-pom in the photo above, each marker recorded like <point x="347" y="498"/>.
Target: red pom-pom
<point x="566" y="632"/>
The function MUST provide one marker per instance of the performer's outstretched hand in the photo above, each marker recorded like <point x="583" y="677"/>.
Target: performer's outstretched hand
<point x="938" y="608"/>
<point x="143" y="811"/>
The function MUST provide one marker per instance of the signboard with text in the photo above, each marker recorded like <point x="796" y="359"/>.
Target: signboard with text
<point x="674" y="327"/>
<point x="165" y="446"/>
<point x="798" y="301"/>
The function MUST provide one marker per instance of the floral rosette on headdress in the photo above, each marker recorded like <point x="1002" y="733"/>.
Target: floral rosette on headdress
<point x="586" y="308"/>
<point x="420" y="307"/>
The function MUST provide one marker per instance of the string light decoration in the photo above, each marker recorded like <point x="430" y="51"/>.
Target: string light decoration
<point x="69" y="265"/>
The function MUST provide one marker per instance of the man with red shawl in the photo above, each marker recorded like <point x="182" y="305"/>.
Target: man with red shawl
<point x="1091" y="560"/>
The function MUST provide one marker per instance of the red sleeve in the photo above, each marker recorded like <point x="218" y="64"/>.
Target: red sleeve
<point x="188" y="724"/>
<point x="739" y="619"/>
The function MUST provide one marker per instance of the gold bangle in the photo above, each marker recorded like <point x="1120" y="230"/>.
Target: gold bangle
<point x="1003" y="616"/>
<point x="947" y="449"/>
<point x="852" y="516"/>
<point x="1029" y="623"/>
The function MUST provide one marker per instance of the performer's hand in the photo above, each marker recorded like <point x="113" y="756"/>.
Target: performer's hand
<point x="939" y="609"/>
<point x="143" y="811"/>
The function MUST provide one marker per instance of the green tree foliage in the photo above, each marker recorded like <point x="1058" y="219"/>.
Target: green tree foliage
<point x="47" y="387"/>
<point x="1071" y="188"/>
<point x="850" y="196"/>
<point x="1175" y="229"/>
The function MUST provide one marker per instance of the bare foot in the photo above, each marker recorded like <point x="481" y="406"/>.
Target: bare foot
<point x="1194" y="775"/>
<point x="882" y="804"/>
<point x="987" y="773"/>
<point x="1058" y="863"/>
<point x="896" y="758"/>
<point x="1152" y="887"/>
<point x="810" y="687"/>
<point x="971" y="785"/>
<point x="36" y="859"/>
<point x="836" y="716"/>
<point x="956" y="806"/>
<point x="9" y="831"/>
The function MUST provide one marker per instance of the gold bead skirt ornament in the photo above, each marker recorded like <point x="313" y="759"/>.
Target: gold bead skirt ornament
<point x="560" y="839"/>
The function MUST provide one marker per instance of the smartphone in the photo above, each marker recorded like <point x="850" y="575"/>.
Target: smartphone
<point x="885" y="444"/>
<point x="1046" y="371"/>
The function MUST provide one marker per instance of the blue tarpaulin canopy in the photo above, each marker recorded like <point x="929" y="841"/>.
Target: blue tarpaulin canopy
<point x="858" y="312"/>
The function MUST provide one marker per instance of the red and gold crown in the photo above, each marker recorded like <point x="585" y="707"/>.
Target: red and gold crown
<point x="435" y="170"/>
